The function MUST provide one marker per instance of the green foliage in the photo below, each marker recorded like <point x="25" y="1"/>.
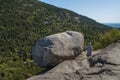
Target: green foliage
<point x="105" y="39"/>
<point x="17" y="70"/>
<point x="22" y="22"/>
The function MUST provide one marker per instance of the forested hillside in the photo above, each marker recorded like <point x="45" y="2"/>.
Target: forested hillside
<point x="22" y="22"/>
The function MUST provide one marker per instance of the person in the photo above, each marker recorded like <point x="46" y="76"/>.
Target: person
<point x="89" y="50"/>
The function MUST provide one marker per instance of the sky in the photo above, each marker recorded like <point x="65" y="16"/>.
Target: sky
<point x="103" y="11"/>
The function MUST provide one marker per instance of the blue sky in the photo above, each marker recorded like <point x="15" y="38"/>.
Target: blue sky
<point x="104" y="11"/>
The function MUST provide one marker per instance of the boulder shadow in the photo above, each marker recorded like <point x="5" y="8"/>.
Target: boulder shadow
<point x="45" y="71"/>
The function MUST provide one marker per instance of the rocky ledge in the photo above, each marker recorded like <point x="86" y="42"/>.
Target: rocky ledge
<point x="103" y="65"/>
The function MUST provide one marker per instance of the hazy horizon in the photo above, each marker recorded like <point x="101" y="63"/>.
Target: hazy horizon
<point x="103" y="11"/>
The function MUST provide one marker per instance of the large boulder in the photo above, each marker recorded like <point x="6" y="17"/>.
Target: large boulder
<point x="53" y="49"/>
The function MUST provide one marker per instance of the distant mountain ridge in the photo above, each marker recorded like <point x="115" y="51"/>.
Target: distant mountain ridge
<point x="116" y="25"/>
<point x="39" y="18"/>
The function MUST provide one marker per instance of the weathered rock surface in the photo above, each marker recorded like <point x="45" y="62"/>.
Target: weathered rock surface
<point x="104" y="65"/>
<point x="56" y="48"/>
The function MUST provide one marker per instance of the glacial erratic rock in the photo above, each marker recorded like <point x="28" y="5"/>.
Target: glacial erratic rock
<point x="53" y="49"/>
